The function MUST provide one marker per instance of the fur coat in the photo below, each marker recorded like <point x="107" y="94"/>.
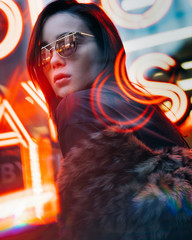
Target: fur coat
<point x="113" y="187"/>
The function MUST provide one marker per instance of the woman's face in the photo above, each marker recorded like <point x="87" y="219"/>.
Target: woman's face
<point x="67" y="75"/>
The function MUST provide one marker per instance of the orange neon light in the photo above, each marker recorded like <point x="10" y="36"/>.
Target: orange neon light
<point x="186" y="127"/>
<point x="18" y="208"/>
<point x="10" y="138"/>
<point x="15" y="129"/>
<point x="37" y="193"/>
<point x="35" y="7"/>
<point x="136" y="21"/>
<point x="120" y="76"/>
<point x="34" y="94"/>
<point x="26" y="139"/>
<point x="15" y="27"/>
<point x="39" y="98"/>
<point x="52" y="129"/>
<point x="128" y="125"/>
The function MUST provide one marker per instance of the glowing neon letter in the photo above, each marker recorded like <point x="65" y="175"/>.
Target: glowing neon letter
<point x="35" y="7"/>
<point x="168" y="90"/>
<point x="15" y="27"/>
<point x="136" y="21"/>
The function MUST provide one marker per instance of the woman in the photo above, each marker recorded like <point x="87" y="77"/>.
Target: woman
<point x="71" y="56"/>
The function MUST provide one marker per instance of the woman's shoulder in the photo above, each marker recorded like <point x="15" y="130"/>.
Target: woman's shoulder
<point x="75" y="107"/>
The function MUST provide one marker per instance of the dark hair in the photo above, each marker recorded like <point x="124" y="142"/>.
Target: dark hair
<point x="97" y="21"/>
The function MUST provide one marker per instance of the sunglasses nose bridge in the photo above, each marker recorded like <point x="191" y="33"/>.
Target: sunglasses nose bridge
<point x="55" y="58"/>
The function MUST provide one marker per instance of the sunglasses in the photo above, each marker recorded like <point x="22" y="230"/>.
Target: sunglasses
<point x="65" y="46"/>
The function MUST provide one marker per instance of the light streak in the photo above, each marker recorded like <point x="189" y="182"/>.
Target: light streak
<point x="37" y="91"/>
<point x="123" y="125"/>
<point x="15" y="129"/>
<point x="35" y="96"/>
<point x="10" y="138"/>
<point x="185" y="84"/>
<point x="17" y="122"/>
<point x="158" y="39"/>
<point x="120" y="76"/>
<point x="52" y="129"/>
<point x="15" y="27"/>
<point x="8" y="135"/>
<point x="9" y="142"/>
<point x="35" y="7"/>
<point x="136" y="21"/>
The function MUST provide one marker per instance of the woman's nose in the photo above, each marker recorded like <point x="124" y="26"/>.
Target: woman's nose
<point x="56" y="59"/>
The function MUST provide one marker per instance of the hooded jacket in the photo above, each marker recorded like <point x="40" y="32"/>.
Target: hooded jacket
<point x="80" y="114"/>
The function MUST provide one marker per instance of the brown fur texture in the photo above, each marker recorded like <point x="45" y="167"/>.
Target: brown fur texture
<point x="113" y="187"/>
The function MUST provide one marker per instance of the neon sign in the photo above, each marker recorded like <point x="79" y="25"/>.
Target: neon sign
<point x="179" y="100"/>
<point x="136" y="21"/>
<point x="27" y="205"/>
<point x="15" y="27"/>
<point x="33" y="175"/>
<point x="35" y="7"/>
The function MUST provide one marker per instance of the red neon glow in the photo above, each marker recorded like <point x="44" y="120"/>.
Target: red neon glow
<point x="166" y="90"/>
<point x="130" y="125"/>
<point x="136" y="21"/>
<point x="186" y="127"/>
<point x="15" y="27"/>
<point x="35" y="7"/>
<point x="120" y="76"/>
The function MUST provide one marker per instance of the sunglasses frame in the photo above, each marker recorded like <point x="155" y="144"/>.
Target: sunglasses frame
<point x="61" y="38"/>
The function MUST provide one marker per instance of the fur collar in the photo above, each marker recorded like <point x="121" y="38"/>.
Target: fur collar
<point x="114" y="187"/>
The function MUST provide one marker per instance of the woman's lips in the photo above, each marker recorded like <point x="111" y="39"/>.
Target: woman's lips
<point x="62" y="79"/>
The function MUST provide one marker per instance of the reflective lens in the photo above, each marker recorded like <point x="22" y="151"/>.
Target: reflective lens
<point x="45" y="57"/>
<point x="65" y="47"/>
